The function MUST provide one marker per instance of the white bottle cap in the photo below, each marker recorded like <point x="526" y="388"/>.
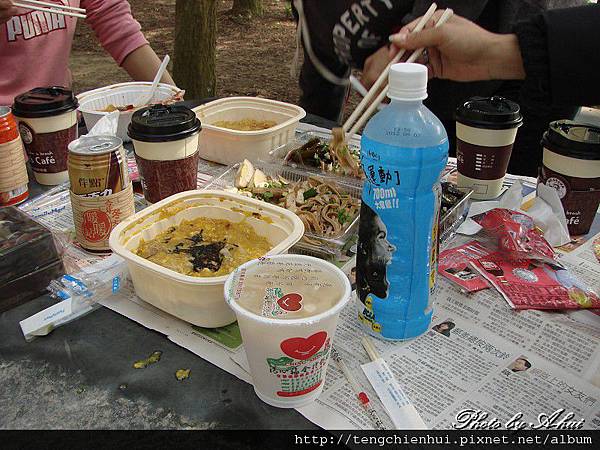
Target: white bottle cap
<point x="407" y="81"/>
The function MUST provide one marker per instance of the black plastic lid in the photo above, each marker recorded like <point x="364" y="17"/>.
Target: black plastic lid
<point x="494" y="113"/>
<point x="572" y="139"/>
<point x="163" y="123"/>
<point x="45" y="102"/>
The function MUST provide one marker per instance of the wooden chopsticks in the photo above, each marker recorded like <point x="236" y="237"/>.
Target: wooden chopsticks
<point x="54" y="8"/>
<point x="372" y="99"/>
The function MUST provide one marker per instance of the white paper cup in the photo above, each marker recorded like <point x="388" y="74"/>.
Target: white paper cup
<point x="47" y="119"/>
<point x="288" y="354"/>
<point x="486" y="129"/>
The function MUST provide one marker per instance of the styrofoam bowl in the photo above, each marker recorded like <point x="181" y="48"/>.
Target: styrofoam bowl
<point x="227" y="146"/>
<point x="196" y="300"/>
<point x="91" y="103"/>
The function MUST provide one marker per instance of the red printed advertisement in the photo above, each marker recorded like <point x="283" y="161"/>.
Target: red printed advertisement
<point x="454" y="265"/>
<point x="530" y="284"/>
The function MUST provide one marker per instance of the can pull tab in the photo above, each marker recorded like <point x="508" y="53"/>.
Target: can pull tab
<point x="101" y="147"/>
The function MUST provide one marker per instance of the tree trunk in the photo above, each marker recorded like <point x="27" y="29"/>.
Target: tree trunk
<point x="247" y="7"/>
<point x="195" y="47"/>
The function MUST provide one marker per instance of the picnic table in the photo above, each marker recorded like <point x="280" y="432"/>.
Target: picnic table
<point x="81" y="376"/>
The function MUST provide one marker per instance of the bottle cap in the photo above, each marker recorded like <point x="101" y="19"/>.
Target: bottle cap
<point x="407" y="81"/>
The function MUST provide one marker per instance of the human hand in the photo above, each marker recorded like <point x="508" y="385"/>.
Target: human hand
<point x="374" y="65"/>
<point x="461" y="50"/>
<point x="7" y="10"/>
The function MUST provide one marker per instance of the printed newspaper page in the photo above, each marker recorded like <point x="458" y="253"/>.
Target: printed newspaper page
<point x="487" y="360"/>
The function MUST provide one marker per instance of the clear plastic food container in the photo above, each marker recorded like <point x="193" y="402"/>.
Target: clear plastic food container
<point x="326" y="247"/>
<point x="278" y="156"/>
<point x="197" y="300"/>
<point x="455" y="216"/>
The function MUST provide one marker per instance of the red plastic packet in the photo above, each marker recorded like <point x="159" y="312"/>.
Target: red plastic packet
<point x="534" y="284"/>
<point x="454" y="265"/>
<point x="515" y="235"/>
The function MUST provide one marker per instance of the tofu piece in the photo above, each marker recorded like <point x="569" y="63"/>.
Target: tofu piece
<point x="244" y="174"/>
<point x="260" y="179"/>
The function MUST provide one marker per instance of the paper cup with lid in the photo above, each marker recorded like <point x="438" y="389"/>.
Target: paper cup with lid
<point x="287" y="307"/>
<point x="571" y="165"/>
<point x="165" y="140"/>
<point x="486" y="128"/>
<point x="47" y="119"/>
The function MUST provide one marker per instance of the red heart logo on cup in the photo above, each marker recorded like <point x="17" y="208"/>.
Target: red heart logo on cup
<point x="304" y="348"/>
<point x="290" y="302"/>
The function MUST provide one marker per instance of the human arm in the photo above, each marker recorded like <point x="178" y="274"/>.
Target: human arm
<point x="377" y="61"/>
<point x="7" y="10"/>
<point x="556" y="53"/>
<point x="461" y="50"/>
<point x="120" y="35"/>
<point x="142" y="65"/>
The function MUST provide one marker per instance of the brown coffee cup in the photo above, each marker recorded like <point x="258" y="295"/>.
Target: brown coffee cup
<point x="165" y="140"/>
<point x="571" y="165"/>
<point x="486" y="128"/>
<point x="47" y="119"/>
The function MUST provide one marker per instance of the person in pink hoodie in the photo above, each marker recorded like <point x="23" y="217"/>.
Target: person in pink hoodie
<point x="35" y="45"/>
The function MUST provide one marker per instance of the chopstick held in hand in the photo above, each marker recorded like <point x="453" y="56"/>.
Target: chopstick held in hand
<point x="415" y="55"/>
<point x="384" y="75"/>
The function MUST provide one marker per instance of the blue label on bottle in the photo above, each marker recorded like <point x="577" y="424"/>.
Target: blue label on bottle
<point x="397" y="249"/>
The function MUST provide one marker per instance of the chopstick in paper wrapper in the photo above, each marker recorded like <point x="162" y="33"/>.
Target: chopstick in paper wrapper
<point x="360" y="394"/>
<point x="397" y="404"/>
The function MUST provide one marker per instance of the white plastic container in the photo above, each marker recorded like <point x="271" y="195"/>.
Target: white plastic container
<point x="227" y="146"/>
<point x="287" y="347"/>
<point x="196" y="300"/>
<point x="91" y="103"/>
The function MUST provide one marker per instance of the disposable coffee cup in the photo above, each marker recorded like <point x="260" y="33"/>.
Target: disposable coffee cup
<point x="571" y="165"/>
<point x="486" y="128"/>
<point x="47" y="119"/>
<point x="287" y="308"/>
<point x="165" y="141"/>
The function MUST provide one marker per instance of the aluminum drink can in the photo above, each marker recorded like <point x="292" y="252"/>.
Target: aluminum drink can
<point x="13" y="170"/>
<point x="97" y="166"/>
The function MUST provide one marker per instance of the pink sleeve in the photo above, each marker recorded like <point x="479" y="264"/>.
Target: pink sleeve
<point x="112" y="21"/>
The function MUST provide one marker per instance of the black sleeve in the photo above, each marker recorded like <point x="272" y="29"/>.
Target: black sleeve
<point x="561" y="56"/>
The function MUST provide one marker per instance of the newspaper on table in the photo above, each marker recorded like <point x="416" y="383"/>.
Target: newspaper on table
<point x="490" y="359"/>
<point x="514" y="366"/>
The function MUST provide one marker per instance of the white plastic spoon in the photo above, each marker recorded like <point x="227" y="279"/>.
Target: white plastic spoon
<point x="145" y="99"/>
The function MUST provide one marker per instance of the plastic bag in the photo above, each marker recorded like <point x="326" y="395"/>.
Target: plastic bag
<point x="514" y="235"/>
<point x="106" y="126"/>
<point x="92" y="284"/>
